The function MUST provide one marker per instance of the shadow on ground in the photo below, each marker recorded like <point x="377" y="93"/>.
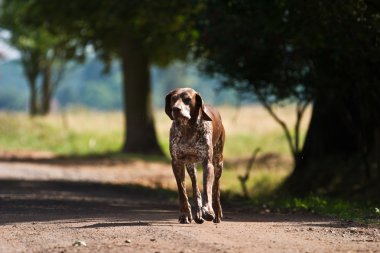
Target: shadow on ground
<point x="110" y="158"/>
<point x="26" y="201"/>
<point x="268" y="160"/>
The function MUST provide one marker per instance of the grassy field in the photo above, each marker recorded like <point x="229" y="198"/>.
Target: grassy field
<point x="77" y="133"/>
<point x="84" y="132"/>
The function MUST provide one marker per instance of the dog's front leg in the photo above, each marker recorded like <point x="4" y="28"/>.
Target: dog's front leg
<point x="192" y="170"/>
<point x="208" y="180"/>
<point x="184" y="206"/>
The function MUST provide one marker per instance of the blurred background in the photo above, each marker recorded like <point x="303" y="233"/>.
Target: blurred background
<point x="297" y="85"/>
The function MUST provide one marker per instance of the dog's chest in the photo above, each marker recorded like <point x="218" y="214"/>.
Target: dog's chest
<point x="191" y="144"/>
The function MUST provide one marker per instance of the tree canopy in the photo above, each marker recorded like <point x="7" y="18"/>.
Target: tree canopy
<point x="42" y="54"/>
<point x="326" y="52"/>
<point x="162" y="27"/>
<point x="290" y="49"/>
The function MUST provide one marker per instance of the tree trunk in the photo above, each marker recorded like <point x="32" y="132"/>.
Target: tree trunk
<point x="31" y="66"/>
<point x="46" y="90"/>
<point x="33" y="110"/>
<point x="332" y="159"/>
<point x="140" y="137"/>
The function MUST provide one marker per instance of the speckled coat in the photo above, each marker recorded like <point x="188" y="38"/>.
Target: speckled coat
<point x="198" y="139"/>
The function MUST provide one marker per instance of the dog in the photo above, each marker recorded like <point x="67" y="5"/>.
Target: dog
<point x="196" y="136"/>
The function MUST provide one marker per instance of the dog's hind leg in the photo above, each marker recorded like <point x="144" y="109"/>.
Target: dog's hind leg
<point x="192" y="170"/>
<point x="185" y="209"/>
<point x="218" y="165"/>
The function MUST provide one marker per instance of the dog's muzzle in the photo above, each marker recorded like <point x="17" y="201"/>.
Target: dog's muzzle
<point x="179" y="113"/>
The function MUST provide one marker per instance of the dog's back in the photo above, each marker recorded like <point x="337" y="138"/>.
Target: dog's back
<point x="218" y="134"/>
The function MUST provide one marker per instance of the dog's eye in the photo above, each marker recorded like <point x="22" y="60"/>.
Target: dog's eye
<point x="187" y="100"/>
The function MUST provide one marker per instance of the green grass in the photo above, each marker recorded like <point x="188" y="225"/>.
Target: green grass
<point x="88" y="132"/>
<point x="348" y="210"/>
<point x="262" y="182"/>
<point x="19" y="132"/>
<point x="244" y="143"/>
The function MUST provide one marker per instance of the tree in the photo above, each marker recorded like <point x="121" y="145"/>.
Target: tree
<point x="42" y="54"/>
<point x="254" y="56"/>
<point x="140" y="33"/>
<point x="341" y="147"/>
<point x="326" y="52"/>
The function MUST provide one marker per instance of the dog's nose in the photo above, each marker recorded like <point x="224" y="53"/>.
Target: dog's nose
<point x="176" y="109"/>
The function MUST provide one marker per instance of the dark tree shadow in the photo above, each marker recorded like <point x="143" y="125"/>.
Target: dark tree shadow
<point x="105" y="159"/>
<point x="118" y="224"/>
<point x="33" y="201"/>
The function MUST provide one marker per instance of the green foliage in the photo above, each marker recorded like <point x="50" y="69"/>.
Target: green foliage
<point x="256" y="53"/>
<point x="161" y="27"/>
<point x="38" y="43"/>
<point x="291" y="49"/>
<point x="324" y="51"/>
<point x="283" y="50"/>
<point x="42" y="53"/>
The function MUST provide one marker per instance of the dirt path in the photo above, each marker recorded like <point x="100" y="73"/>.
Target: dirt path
<point x="46" y="208"/>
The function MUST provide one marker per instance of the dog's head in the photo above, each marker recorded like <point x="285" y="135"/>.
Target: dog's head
<point x="185" y="105"/>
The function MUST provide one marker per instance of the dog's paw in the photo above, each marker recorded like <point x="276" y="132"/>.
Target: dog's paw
<point x="198" y="217"/>
<point x="183" y="219"/>
<point x="217" y="219"/>
<point x="207" y="215"/>
<point x="218" y="214"/>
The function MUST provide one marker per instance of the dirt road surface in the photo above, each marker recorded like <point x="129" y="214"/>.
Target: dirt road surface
<point x="48" y="207"/>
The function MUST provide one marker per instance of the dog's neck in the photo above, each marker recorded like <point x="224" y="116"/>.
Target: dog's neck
<point x="184" y="124"/>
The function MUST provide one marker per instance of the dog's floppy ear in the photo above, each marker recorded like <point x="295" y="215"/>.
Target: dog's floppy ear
<point x="168" y="108"/>
<point x="205" y="113"/>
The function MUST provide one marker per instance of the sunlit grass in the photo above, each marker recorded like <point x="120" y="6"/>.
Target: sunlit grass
<point x="85" y="132"/>
<point x="59" y="134"/>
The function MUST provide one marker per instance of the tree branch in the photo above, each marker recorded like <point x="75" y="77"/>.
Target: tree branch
<point x="243" y="179"/>
<point x="59" y="76"/>
<point x="279" y="121"/>
<point x="300" y="110"/>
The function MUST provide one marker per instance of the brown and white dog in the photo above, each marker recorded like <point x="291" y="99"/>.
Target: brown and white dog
<point x="196" y="136"/>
